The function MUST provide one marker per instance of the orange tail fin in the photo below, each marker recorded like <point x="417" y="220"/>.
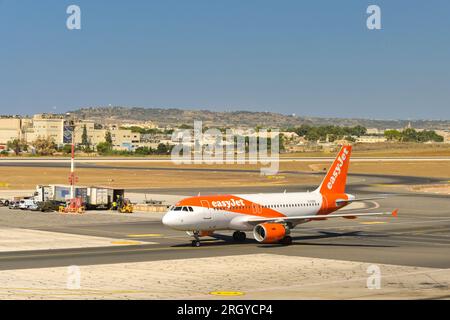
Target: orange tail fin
<point x="336" y="177"/>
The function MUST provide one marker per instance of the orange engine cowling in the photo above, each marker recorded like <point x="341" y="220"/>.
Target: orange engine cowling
<point x="269" y="232"/>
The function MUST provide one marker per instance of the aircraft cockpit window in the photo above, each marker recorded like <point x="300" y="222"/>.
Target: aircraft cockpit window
<point x="185" y="209"/>
<point x="191" y="209"/>
<point x="177" y="209"/>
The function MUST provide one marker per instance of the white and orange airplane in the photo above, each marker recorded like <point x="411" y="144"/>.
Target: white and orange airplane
<point x="271" y="216"/>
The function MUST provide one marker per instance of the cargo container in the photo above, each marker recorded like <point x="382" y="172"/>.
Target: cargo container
<point x="60" y="193"/>
<point x="92" y="197"/>
<point x="99" y="198"/>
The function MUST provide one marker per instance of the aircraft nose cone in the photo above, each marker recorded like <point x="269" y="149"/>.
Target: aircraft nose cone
<point x="172" y="220"/>
<point x="167" y="219"/>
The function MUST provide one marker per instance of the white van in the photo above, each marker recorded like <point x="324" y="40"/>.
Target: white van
<point x="26" y="204"/>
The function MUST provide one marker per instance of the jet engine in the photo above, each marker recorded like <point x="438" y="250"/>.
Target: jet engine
<point x="269" y="232"/>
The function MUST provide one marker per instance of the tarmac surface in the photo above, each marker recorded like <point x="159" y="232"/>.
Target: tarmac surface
<point x="420" y="236"/>
<point x="133" y="256"/>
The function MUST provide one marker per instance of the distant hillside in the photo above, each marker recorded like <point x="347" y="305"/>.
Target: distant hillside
<point x="175" y="117"/>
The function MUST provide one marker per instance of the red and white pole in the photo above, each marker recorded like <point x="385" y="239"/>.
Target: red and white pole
<point x="72" y="169"/>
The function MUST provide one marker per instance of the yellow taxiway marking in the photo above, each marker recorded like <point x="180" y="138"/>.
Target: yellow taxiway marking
<point x="126" y="242"/>
<point x="373" y="222"/>
<point x="148" y="235"/>
<point x="58" y="291"/>
<point x="226" y="293"/>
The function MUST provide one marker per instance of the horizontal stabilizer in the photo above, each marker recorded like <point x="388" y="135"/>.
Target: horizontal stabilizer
<point x="384" y="196"/>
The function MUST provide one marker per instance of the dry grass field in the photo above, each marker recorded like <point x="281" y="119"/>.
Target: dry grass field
<point x="28" y="177"/>
<point x="387" y="150"/>
<point x="126" y="177"/>
<point x="435" y="169"/>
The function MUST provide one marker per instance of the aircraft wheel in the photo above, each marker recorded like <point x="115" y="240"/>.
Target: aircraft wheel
<point x="239" y="236"/>
<point x="195" y="243"/>
<point x="287" y="240"/>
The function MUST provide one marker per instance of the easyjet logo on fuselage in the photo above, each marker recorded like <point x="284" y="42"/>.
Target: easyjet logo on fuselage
<point x="337" y="171"/>
<point x="228" y="203"/>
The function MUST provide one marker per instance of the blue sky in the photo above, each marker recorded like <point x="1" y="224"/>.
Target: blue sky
<point x="313" y="58"/>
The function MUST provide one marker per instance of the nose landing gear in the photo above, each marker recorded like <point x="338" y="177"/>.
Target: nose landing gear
<point x="196" y="242"/>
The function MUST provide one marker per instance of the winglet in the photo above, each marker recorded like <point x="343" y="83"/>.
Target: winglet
<point x="395" y="213"/>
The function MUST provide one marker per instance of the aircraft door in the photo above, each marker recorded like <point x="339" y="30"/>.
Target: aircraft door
<point x="206" y="209"/>
<point x="256" y="208"/>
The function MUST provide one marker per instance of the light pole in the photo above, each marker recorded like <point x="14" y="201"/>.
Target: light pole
<point x="72" y="166"/>
<point x="72" y="177"/>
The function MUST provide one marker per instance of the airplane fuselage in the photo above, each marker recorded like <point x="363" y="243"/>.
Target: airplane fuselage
<point x="230" y="212"/>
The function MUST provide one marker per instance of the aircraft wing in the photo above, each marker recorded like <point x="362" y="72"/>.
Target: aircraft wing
<point x="321" y="217"/>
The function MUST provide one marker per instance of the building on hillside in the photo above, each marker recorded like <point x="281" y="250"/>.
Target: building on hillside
<point x="445" y="134"/>
<point x="143" y="125"/>
<point x="374" y="131"/>
<point x="10" y="129"/>
<point x="124" y="140"/>
<point x="94" y="136"/>
<point x="45" y="126"/>
<point x="371" y="139"/>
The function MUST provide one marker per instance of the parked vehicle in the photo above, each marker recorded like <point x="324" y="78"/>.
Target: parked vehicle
<point x="59" y="193"/>
<point x="92" y="197"/>
<point x="26" y="204"/>
<point x="4" y="202"/>
<point x="13" y="205"/>
<point x="34" y="207"/>
<point x="101" y="197"/>
<point x="49" y="205"/>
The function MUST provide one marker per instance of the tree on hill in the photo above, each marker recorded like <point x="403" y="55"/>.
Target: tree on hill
<point x="85" y="140"/>
<point x="84" y="137"/>
<point x="392" y="135"/>
<point x="17" y="146"/>
<point x="104" y="148"/>
<point x="162" y="149"/>
<point x="411" y="135"/>
<point x="44" y="146"/>
<point x="108" y="138"/>
<point x="315" y="133"/>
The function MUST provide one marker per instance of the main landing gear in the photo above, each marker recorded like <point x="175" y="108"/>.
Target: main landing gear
<point x="196" y="243"/>
<point x="287" y="240"/>
<point x="239" y="236"/>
